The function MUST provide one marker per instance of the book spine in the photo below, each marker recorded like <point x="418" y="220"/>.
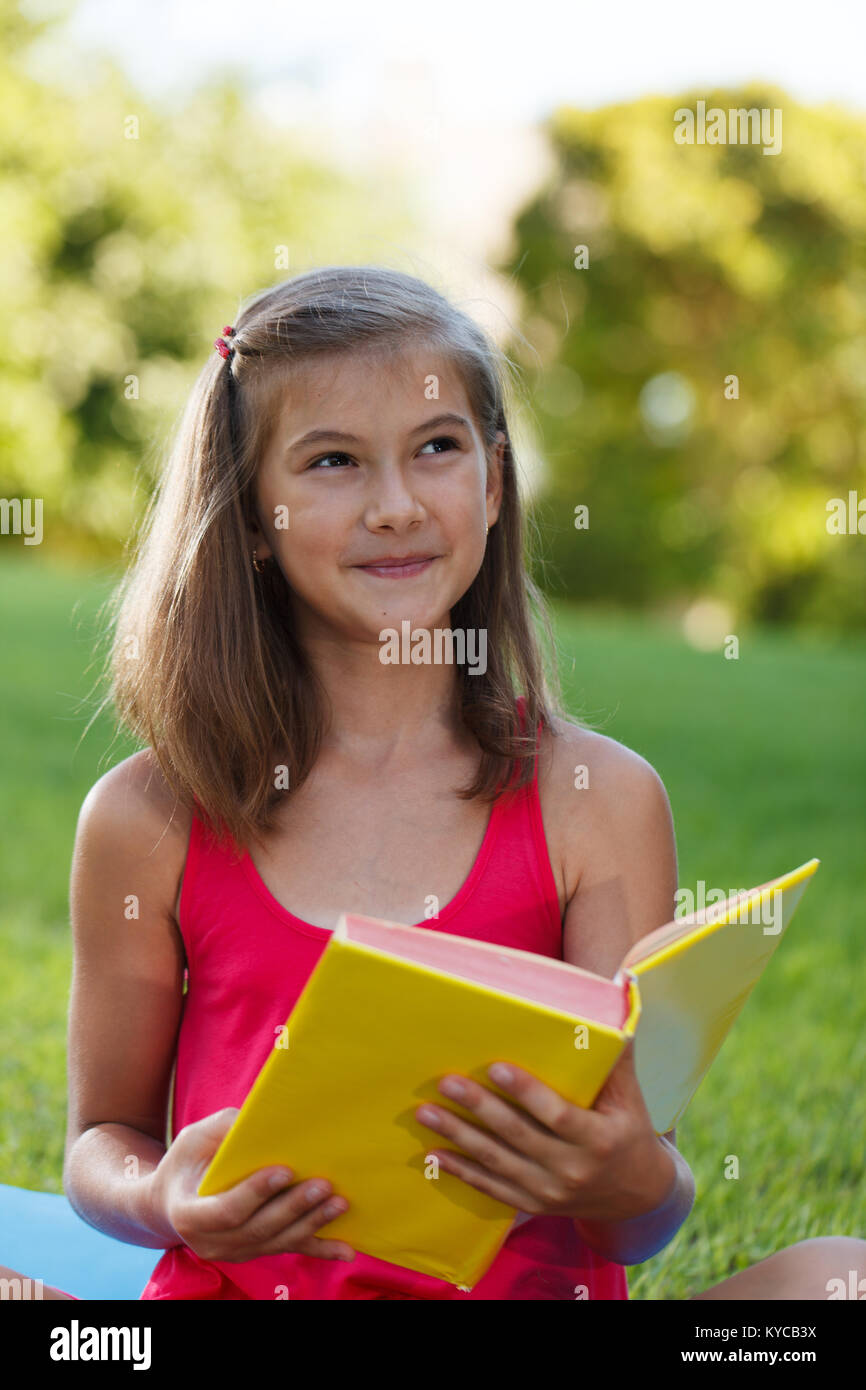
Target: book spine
<point x="632" y="987"/>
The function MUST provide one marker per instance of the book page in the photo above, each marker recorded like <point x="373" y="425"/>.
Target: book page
<point x="734" y="905"/>
<point x="541" y="979"/>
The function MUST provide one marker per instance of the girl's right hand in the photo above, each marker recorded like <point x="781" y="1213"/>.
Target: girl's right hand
<point x="247" y="1220"/>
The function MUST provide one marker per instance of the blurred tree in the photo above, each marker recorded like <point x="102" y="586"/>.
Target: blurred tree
<point x="132" y="233"/>
<point x="131" y="236"/>
<point x="705" y="262"/>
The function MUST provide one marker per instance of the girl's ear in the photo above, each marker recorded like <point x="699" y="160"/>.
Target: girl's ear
<point x="494" y="471"/>
<point x="497" y="457"/>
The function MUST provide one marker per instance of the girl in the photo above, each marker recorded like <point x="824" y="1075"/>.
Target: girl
<point x="344" y="465"/>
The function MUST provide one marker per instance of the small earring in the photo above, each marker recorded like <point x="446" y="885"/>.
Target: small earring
<point x="486" y="530"/>
<point x="258" y="565"/>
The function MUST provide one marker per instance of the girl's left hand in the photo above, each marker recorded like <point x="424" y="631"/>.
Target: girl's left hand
<point x="603" y="1164"/>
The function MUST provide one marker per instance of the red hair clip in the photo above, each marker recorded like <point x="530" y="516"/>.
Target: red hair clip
<point x="221" y="345"/>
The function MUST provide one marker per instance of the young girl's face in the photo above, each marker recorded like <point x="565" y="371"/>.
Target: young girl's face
<point x="383" y="478"/>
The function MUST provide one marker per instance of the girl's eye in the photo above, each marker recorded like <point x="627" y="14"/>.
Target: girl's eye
<point x="443" y="439"/>
<point x="448" y="442"/>
<point x="325" y="457"/>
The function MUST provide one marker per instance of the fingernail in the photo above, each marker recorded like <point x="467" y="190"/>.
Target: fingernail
<point x="317" y="1190"/>
<point x="452" y="1087"/>
<point x="334" y="1208"/>
<point x="499" y="1072"/>
<point x="280" y="1179"/>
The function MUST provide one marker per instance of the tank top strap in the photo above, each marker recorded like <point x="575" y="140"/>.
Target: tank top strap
<point x="209" y="860"/>
<point x="519" y="872"/>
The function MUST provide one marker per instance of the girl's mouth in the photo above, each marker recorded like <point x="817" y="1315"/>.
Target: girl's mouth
<point x="398" y="571"/>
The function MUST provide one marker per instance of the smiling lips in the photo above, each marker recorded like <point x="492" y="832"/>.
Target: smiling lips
<point x="397" y="569"/>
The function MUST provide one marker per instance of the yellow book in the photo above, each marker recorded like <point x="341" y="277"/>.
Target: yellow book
<point x="390" y="1009"/>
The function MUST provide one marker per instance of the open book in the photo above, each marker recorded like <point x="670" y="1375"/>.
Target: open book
<point x="390" y="1009"/>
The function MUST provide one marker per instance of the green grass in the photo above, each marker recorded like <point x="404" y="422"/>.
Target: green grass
<point x="764" y="760"/>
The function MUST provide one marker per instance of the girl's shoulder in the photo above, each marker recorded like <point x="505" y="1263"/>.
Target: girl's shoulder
<point x="609" y="768"/>
<point x="598" y="797"/>
<point x="137" y="789"/>
<point x="131" y="818"/>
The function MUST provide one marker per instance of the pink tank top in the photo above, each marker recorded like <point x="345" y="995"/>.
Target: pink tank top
<point x="248" y="961"/>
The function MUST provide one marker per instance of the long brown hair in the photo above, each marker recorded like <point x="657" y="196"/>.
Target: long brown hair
<point x="204" y="663"/>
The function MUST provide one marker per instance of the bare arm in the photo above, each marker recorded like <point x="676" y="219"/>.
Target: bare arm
<point x="125" y="1010"/>
<point x="623" y="835"/>
<point x="638" y="1239"/>
<point x="126" y="999"/>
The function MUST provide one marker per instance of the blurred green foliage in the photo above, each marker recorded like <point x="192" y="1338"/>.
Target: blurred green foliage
<point x="134" y="231"/>
<point x="704" y="261"/>
<point x="131" y="236"/>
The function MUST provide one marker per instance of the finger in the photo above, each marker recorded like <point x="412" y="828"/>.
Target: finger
<point x="508" y="1118"/>
<point x="479" y="1177"/>
<point x="210" y="1131"/>
<point x="497" y="1149"/>
<point x="303" y="1202"/>
<point x="296" y="1228"/>
<point x="314" y="1244"/>
<point x="222" y="1211"/>
<point x="572" y="1123"/>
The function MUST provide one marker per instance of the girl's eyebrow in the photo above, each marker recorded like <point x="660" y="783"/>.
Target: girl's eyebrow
<point x="316" y="436"/>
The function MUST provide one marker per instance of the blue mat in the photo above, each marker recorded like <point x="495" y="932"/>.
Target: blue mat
<point x="42" y="1237"/>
